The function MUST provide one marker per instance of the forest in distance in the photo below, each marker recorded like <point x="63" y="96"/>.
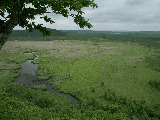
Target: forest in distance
<point x="54" y="32"/>
<point x="149" y="40"/>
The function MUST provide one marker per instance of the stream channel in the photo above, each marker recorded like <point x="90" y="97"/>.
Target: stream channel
<point x="28" y="73"/>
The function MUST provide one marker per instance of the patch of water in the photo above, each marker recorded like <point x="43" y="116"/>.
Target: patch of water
<point x="28" y="73"/>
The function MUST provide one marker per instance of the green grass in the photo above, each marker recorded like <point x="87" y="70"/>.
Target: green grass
<point x="40" y="87"/>
<point x="120" y="86"/>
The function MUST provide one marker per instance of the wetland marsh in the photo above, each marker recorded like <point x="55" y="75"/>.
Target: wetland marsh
<point x="110" y="79"/>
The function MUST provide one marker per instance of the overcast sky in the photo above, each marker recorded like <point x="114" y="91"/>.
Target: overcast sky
<point x="130" y="15"/>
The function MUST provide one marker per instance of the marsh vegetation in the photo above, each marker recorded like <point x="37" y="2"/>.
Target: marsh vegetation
<point x="115" y="77"/>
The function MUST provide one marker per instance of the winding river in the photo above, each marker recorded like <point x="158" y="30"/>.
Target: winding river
<point x="28" y="73"/>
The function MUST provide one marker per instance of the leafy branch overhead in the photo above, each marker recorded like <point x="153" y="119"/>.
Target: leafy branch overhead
<point x="18" y="13"/>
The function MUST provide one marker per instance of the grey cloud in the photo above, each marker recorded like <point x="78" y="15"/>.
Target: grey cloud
<point x="140" y="15"/>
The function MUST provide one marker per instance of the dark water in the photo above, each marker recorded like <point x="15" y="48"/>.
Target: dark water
<point x="28" y="73"/>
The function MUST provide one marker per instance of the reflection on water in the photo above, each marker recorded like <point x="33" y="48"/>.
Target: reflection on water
<point x="28" y="73"/>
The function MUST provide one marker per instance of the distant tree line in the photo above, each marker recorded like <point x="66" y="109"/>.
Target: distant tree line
<point x="35" y="33"/>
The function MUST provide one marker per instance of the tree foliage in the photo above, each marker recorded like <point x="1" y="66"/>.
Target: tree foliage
<point x="18" y="14"/>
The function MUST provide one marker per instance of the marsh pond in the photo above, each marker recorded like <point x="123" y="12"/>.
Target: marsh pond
<point x="28" y="73"/>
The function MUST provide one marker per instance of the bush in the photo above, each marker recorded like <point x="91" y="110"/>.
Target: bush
<point x="155" y="83"/>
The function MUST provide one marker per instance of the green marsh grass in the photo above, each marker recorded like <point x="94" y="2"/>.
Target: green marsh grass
<point x="114" y="80"/>
<point x="40" y="87"/>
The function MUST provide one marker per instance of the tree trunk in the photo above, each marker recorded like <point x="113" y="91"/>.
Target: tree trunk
<point x="5" y="36"/>
<point x="8" y="26"/>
